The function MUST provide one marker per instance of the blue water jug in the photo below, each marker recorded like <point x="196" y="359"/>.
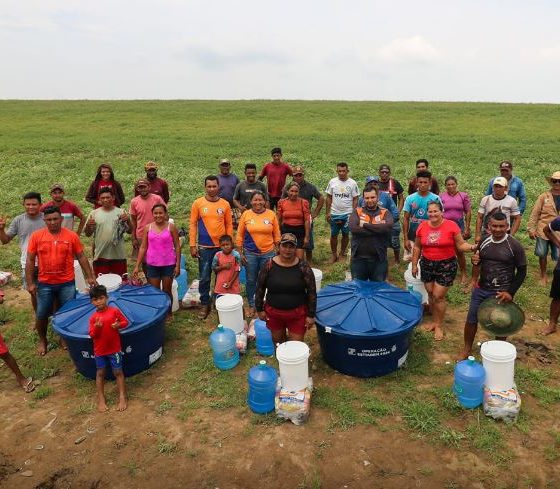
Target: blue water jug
<point x="182" y="281"/>
<point x="183" y="262"/>
<point x="262" y="388"/>
<point x="222" y="341"/>
<point x="265" y="346"/>
<point x="243" y="276"/>
<point x="469" y="383"/>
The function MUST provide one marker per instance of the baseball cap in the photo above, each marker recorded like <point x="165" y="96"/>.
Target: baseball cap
<point x="57" y="186"/>
<point x="372" y="179"/>
<point x="151" y="165"/>
<point x="501" y="181"/>
<point x="506" y="164"/>
<point x="224" y="162"/>
<point x="288" y="238"/>
<point x="297" y="169"/>
<point x="142" y="183"/>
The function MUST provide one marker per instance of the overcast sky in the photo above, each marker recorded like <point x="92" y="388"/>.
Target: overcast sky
<point x="306" y="49"/>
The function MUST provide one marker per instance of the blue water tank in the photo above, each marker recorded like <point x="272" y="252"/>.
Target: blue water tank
<point x="263" y="338"/>
<point x="469" y="383"/>
<point x="364" y="327"/>
<point x="262" y="388"/>
<point x="182" y="281"/>
<point x="183" y="262"/>
<point x="142" y="340"/>
<point x="226" y="354"/>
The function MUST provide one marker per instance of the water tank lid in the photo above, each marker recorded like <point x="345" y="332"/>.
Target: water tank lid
<point x="142" y="306"/>
<point x="358" y="308"/>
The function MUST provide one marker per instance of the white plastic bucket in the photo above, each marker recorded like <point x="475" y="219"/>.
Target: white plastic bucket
<point x="415" y="283"/>
<point x="175" y="294"/>
<point x="318" y="277"/>
<point x="111" y="281"/>
<point x="81" y="285"/>
<point x="292" y="359"/>
<point x="498" y="359"/>
<point x="230" y="311"/>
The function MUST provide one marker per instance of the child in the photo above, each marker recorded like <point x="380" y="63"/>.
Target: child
<point x="226" y="264"/>
<point x="104" y="325"/>
<point x="26" y="383"/>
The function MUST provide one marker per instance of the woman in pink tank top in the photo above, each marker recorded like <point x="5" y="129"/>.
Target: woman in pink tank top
<point x="162" y="250"/>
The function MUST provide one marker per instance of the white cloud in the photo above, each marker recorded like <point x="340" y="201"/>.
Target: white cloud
<point x="410" y="49"/>
<point x="550" y="53"/>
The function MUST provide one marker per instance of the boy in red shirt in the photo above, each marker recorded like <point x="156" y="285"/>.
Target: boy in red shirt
<point x="275" y="172"/>
<point x="226" y="264"/>
<point x="104" y="325"/>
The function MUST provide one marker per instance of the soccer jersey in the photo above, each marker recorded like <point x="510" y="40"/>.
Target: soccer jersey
<point x="257" y="233"/>
<point x="22" y="226"/>
<point x="209" y="221"/>
<point x="342" y="193"/>
<point x="499" y="259"/>
<point x="490" y="205"/>
<point x="275" y="177"/>
<point x="106" y="339"/>
<point x="68" y="210"/>
<point x="417" y="207"/>
<point x="438" y="243"/>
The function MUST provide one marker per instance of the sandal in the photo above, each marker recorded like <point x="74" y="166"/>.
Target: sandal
<point x="204" y="312"/>
<point x="30" y="386"/>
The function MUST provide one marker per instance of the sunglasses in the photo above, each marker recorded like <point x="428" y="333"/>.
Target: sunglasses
<point x="555" y="180"/>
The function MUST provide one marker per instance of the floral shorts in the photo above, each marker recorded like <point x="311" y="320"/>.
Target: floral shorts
<point x="442" y="272"/>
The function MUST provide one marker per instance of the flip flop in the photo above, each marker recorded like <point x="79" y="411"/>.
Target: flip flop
<point x="30" y="386"/>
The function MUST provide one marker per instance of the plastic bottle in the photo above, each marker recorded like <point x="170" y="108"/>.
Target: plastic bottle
<point x="262" y="388"/>
<point x="222" y="341"/>
<point x="469" y="383"/>
<point x="243" y="276"/>
<point x="263" y="337"/>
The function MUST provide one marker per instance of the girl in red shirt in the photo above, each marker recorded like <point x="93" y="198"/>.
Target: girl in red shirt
<point x="295" y="217"/>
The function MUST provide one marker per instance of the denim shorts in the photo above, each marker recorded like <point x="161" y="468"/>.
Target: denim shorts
<point x="114" y="360"/>
<point x="339" y="223"/>
<point x="165" y="271"/>
<point x="478" y="296"/>
<point x="46" y="294"/>
<point x="542" y="246"/>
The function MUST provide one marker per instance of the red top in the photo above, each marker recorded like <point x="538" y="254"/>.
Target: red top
<point x="294" y="212"/>
<point x="438" y="243"/>
<point x="106" y="339"/>
<point x="276" y="177"/>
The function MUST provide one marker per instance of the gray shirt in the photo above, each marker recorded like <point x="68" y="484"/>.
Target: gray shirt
<point x="22" y="226"/>
<point x="307" y="191"/>
<point x="245" y="190"/>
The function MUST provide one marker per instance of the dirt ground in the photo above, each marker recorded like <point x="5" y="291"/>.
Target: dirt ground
<point x="51" y="445"/>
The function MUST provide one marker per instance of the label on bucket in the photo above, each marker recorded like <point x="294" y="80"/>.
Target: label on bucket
<point x="155" y="356"/>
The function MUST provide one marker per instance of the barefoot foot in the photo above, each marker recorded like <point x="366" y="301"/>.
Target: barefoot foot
<point x="429" y="327"/>
<point x="333" y="258"/>
<point x="543" y="281"/>
<point x="465" y="353"/>
<point x="42" y="348"/>
<point x="102" y="406"/>
<point x="123" y="404"/>
<point x="438" y="334"/>
<point x="548" y="330"/>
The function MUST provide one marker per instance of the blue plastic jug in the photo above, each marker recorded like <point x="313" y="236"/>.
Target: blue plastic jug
<point x="222" y="341"/>
<point x="469" y="383"/>
<point x="265" y="346"/>
<point x="262" y="388"/>
<point x="183" y="262"/>
<point x="243" y="276"/>
<point x="182" y="281"/>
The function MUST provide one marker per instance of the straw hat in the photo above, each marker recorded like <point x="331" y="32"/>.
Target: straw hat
<point x="554" y="176"/>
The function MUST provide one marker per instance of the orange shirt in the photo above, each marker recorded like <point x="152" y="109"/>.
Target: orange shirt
<point x="294" y="212"/>
<point x="55" y="253"/>
<point x="258" y="233"/>
<point x="210" y="221"/>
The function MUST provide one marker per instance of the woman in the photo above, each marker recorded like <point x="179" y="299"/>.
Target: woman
<point x="437" y="240"/>
<point x="160" y="245"/>
<point x="291" y="298"/>
<point x="457" y="207"/>
<point x="104" y="178"/>
<point x="258" y="235"/>
<point x="295" y="218"/>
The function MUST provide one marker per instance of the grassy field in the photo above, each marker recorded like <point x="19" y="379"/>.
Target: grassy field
<point x="46" y="142"/>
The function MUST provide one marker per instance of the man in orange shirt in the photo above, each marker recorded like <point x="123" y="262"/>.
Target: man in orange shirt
<point x="55" y="248"/>
<point x="210" y="220"/>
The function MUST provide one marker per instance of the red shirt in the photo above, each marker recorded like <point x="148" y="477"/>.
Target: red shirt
<point x="294" y="212"/>
<point x="276" y="177"/>
<point x="106" y="339"/>
<point x="68" y="210"/>
<point x="438" y="243"/>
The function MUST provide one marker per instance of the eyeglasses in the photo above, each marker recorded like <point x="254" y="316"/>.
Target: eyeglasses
<point x="554" y="180"/>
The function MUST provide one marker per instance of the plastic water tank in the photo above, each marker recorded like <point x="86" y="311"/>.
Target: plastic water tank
<point x="263" y="337"/>
<point x="262" y="388"/>
<point x="469" y="383"/>
<point x="223" y="343"/>
<point x="182" y="281"/>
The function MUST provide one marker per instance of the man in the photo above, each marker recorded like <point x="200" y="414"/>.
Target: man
<point x="416" y="208"/>
<point x="228" y="181"/>
<point x="55" y="248"/>
<point x="393" y="187"/>
<point x="141" y="211"/>
<point x="69" y="210"/>
<point x="422" y="165"/>
<point x="499" y="201"/>
<point x="516" y="188"/>
<point x="246" y="188"/>
<point x="502" y="268"/>
<point x="22" y="226"/>
<point x="342" y="198"/>
<point x="108" y="224"/>
<point x="275" y="172"/>
<point x="371" y="227"/>
<point x="210" y="220"/>
<point x="158" y="186"/>
<point x="550" y="232"/>
<point x="307" y="191"/>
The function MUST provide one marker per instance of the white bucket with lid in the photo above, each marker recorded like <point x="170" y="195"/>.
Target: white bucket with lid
<point x="498" y="359"/>
<point x="415" y="283"/>
<point x="111" y="281"/>
<point x="318" y="278"/>
<point x="79" y="279"/>
<point x="230" y="311"/>
<point x="175" y="295"/>
<point x="294" y="370"/>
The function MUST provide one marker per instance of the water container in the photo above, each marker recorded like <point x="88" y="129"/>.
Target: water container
<point x="182" y="281"/>
<point x="262" y="388"/>
<point x="415" y="283"/>
<point x="318" y="278"/>
<point x="292" y="359"/>
<point x="265" y="346"/>
<point x="222" y="341"/>
<point x="79" y="279"/>
<point x="469" y="383"/>
<point x="243" y="276"/>
<point x="111" y="281"/>
<point x="230" y="311"/>
<point x="417" y="295"/>
<point x="175" y="295"/>
<point x="498" y="358"/>
<point x="183" y="262"/>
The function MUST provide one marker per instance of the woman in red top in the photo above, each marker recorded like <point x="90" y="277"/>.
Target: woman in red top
<point x="104" y="178"/>
<point x="438" y="241"/>
<point x="295" y="218"/>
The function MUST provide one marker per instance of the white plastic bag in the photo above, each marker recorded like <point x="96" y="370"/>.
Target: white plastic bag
<point x="294" y="406"/>
<point x="502" y="405"/>
<point x="241" y="342"/>
<point x="192" y="296"/>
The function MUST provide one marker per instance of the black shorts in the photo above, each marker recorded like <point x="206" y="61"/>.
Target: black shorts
<point x="297" y="231"/>
<point x="555" y="287"/>
<point x="442" y="272"/>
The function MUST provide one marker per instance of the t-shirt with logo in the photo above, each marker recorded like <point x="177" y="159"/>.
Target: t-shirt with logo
<point x="257" y="233"/>
<point x="438" y="243"/>
<point x="68" y="210"/>
<point x="209" y="222"/>
<point x="142" y="209"/>
<point x="22" y="226"/>
<point x="275" y="177"/>
<point x="490" y="205"/>
<point x="498" y="261"/>
<point x="417" y="207"/>
<point x="342" y="193"/>
<point x="245" y="190"/>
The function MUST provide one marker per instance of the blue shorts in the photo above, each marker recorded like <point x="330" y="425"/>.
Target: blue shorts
<point x="114" y="360"/>
<point x="478" y="296"/>
<point x="47" y="293"/>
<point x="165" y="271"/>
<point x="542" y="246"/>
<point x="339" y="223"/>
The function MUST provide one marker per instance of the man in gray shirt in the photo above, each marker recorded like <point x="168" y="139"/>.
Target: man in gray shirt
<point x="246" y="188"/>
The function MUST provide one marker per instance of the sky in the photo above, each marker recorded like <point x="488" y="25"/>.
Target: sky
<point x="502" y="51"/>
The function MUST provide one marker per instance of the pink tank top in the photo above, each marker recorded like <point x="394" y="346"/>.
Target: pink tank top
<point x="161" y="251"/>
